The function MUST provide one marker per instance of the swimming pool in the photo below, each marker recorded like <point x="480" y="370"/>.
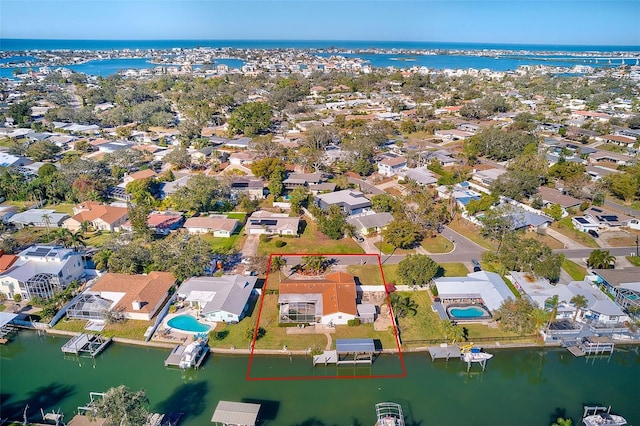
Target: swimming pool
<point x="467" y="312"/>
<point x="187" y="323"/>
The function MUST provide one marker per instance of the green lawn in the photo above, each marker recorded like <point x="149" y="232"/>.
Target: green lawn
<point x="386" y="248"/>
<point x="129" y="329"/>
<point x="634" y="260"/>
<point x="224" y="245"/>
<point x="454" y="269"/>
<point x="437" y="244"/>
<point x="390" y="273"/>
<point x="97" y="239"/>
<point x="240" y="216"/>
<point x="366" y="274"/>
<point x="565" y="227"/>
<point x="576" y="271"/>
<point x="311" y="241"/>
<point x="472" y="232"/>
<point x="61" y="208"/>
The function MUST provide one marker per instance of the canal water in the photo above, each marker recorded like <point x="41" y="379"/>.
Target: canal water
<point x="520" y="387"/>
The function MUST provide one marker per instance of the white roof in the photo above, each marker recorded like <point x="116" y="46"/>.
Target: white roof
<point x="236" y="413"/>
<point x="6" y="318"/>
<point x="487" y="285"/>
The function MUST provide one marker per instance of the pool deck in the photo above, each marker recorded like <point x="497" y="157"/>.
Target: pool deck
<point x="165" y="329"/>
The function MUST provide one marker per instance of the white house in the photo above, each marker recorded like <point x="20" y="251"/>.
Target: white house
<point x="219" y="299"/>
<point x="264" y="222"/>
<point x="391" y="165"/>
<point x="217" y="225"/>
<point x="41" y="271"/>
<point x="484" y="286"/>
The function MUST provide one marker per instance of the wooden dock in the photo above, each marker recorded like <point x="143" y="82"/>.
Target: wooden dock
<point x="444" y="351"/>
<point x="91" y="344"/>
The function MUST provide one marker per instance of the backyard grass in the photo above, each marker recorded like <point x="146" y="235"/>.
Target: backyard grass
<point x="472" y="232"/>
<point x="21" y="205"/>
<point x="390" y="275"/>
<point x="129" y="329"/>
<point x="96" y="239"/>
<point x="61" y="208"/>
<point x="240" y="216"/>
<point x="622" y="241"/>
<point x="437" y="244"/>
<point x="224" y="245"/>
<point x="575" y="271"/>
<point x="634" y="260"/>
<point x="311" y="241"/>
<point x="424" y="325"/>
<point x="565" y="227"/>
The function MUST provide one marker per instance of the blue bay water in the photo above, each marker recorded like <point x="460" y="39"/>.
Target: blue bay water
<point x="527" y="387"/>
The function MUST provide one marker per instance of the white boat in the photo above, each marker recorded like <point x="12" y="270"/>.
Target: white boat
<point x="598" y="416"/>
<point x="389" y="414"/>
<point x="470" y="353"/>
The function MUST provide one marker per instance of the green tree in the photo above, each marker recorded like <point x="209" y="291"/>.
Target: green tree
<point x="417" y="270"/>
<point x="315" y="264"/>
<point x="332" y="223"/>
<point x="403" y="306"/>
<point x="579" y="301"/>
<point x="121" y="407"/>
<point x="601" y="259"/>
<point x="554" y="210"/>
<point x="297" y="198"/>
<point x="385" y="203"/>
<point x="561" y="421"/>
<point x="551" y="304"/>
<point x="276" y="187"/>
<point x="624" y="186"/>
<point x="201" y="194"/>
<point x="250" y="119"/>
<point x="42" y="150"/>
<point x="266" y="167"/>
<point x="402" y="234"/>
<point x="515" y="315"/>
<point x="179" y="158"/>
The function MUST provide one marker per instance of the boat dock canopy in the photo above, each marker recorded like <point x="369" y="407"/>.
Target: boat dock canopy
<point x="344" y="346"/>
<point x="229" y="413"/>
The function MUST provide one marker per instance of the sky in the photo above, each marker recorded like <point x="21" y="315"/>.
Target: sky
<point x="559" y="22"/>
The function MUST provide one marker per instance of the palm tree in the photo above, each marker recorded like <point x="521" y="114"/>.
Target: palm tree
<point x="77" y="240"/>
<point x="315" y="264"/>
<point x="101" y="259"/>
<point x="580" y="302"/>
<point x="601" y="259"/>
<point x="47" y="223"/>
<point x="552" y="303"/>
<point x="64" y="237"/>
<point x="540" y="317"/>
<point x="403" y="306"/>
<point x="277" y="263"/>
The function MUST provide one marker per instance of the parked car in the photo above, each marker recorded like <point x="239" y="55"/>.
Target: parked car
<point x="359" y="238"/>
<point x="593" y="233"/>
<point x="476" y="265"/>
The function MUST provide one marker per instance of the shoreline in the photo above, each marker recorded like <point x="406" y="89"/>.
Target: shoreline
<point x="237" y="351"/>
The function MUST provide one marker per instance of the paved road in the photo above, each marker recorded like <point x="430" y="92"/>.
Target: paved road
<point x="581" y="253"/>
<point x="622" y="209"/>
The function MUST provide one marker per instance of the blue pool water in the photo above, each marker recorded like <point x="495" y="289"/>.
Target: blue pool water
<point x="187" y="323"/>
<point x="467" y="312"/>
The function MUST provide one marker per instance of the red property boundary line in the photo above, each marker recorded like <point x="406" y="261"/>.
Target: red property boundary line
<point x="395" y="330"/>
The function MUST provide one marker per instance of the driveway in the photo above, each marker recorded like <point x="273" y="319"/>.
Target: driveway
<point x="250" y="247"/>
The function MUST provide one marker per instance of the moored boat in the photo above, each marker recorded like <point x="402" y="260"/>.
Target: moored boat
<point x="389" y="414"/>
<point x="598" y="416"/>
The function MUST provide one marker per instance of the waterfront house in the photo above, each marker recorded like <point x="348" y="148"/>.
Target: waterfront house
<point x="220" y="299"/>
<point x="483" y="287"/>
<point x="264" y="222"/>
<point x="100" y="217"/>
<point x="41" y="271"/>
<point x="216" y="225"/>
<point x="349" y="201"/>
<point x="623" y="285"/>
<point x="137" y="297"/>
<point x="329" y="300"/>
<point x="600" y="309"/>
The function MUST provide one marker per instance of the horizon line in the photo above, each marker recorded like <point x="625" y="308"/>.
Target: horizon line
<point x="313" y="40"/>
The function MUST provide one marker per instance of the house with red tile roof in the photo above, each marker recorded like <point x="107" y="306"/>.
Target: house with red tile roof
<point x="99" y="216"/>
<point x="6" y="260"/>
<point x="141" y="174"/>
<point x="136" y="297"/>
<point x="160" y="223"/>
<point x="329" y="300"/>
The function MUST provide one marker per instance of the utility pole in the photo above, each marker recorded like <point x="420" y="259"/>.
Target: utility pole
<point x="637" y="254"/>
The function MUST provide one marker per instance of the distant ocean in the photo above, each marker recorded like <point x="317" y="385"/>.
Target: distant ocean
<point x="554" y="55"/>
<point x="33" y="44"/>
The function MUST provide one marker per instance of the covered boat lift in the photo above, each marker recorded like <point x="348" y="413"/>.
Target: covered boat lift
<point x="230" y="413"/>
